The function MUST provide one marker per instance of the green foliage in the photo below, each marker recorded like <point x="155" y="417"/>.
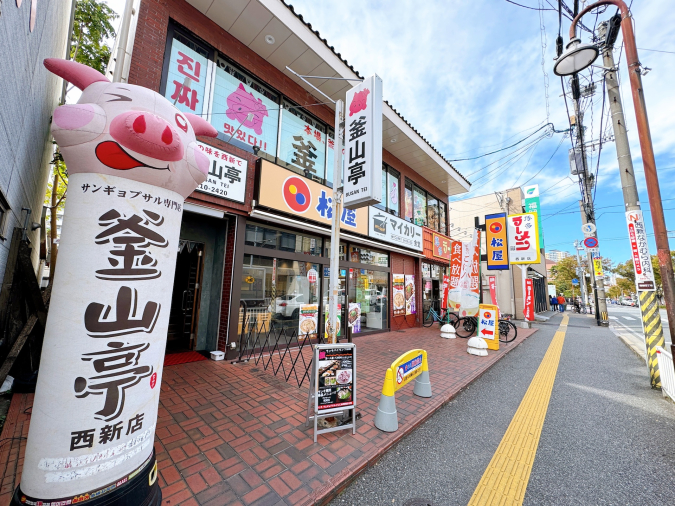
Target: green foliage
<point x="562" y="275"/>
<point x="91" y="28"/>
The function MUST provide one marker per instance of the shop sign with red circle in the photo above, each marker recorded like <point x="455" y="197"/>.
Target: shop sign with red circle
<point x="296" y="194"/>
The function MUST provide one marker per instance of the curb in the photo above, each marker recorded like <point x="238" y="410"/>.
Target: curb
<point x="631" y="346"/>
<point x="347" y="476"/>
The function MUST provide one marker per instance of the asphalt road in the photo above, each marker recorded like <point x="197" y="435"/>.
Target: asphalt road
<point x="607" y="437"/>
<point x="627" y="319"/>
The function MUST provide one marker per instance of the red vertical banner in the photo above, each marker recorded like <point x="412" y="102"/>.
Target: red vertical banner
<point x="455" y="274"/>
<point x="475" y="266"/>
<point x="528" y="311"/>
<point x="493" y="289"/>
<point x="446" y="286"/>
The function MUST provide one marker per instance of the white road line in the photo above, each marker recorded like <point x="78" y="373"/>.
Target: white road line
<point x="613" y="318"/>
<point x="629" y="318"/>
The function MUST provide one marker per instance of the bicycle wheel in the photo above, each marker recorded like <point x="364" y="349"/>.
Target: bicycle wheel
<point x="507" y="331"/>
<point x="429" y="319"/>
<point x="451" y="318"/>
<point x="466" y="326"/>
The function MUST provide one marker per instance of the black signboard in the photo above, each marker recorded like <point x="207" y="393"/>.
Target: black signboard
<point x="335" y="375"/>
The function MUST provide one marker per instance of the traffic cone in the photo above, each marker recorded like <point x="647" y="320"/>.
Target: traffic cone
<point x="386" y="418"/>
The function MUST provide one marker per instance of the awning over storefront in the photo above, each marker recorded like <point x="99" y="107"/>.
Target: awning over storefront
<point x="274" y="31"/>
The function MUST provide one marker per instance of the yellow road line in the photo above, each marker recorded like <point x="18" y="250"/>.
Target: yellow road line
<point x="505" y="479"/>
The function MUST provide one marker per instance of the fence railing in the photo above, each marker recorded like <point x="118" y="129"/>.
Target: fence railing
<point x="284" y="351"/>
<point x="667" y="371"/>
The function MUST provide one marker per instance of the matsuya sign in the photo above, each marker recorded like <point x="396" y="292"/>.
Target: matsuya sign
<point x="363" y="144"/>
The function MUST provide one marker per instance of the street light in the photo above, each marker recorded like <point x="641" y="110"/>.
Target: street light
<point x="577" y="57"/>
<point x="576" y="63"/>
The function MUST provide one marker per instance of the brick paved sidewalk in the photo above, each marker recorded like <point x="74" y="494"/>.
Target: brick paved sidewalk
<point x="235" y="434"/>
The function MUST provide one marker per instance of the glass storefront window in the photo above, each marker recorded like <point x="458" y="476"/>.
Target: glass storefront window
<point x="186" y="79"/>
<point x="419" y="206"/>
<point x="280" y="293"/>
<point x="303" y="143"/>
<point x="243" y="105"/>
<point x="408" y="202"/>
<point x="343" y="249"/>
<point x="393" y="192"/>
<point x="368" y="256"/>
<point x="368" y="300"/>
<point x="265" y="236"/>
<point x="442" y="218"/>
<point x="432" y="210"/>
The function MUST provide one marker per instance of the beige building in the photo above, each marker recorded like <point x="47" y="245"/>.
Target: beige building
<point x="465" y="215"/>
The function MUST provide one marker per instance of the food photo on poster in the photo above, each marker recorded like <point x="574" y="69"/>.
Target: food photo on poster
<point x="354" y="317"/>
<point x="335" y="378"/>
<point x="410" y="305"/>
<point x="398" y="285"/>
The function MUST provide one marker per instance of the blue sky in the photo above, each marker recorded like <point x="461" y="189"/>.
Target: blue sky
<point x="468" y="75"/>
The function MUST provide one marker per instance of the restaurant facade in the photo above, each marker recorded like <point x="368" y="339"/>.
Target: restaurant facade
<point x="255" y="237"/>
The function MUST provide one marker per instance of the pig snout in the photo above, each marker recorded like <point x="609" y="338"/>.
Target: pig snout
<point x="147" y="134"/>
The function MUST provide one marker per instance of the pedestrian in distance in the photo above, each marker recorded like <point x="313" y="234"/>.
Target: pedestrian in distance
<point x="554" y="303"/>
<point x="561" y="303"/>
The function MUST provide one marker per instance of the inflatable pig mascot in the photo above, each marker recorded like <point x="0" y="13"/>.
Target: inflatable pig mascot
<point x="132" y="160"/>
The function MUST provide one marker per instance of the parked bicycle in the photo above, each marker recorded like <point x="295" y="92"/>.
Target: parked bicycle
<point x="445" y="316"/>
<point x="467" y="325"/>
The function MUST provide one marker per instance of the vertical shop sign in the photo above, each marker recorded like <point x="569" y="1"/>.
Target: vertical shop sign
<point x="363" y="144"/>
<point x="523" y="234"/>
<point x="642" y="261"/>
<point x="528" y="310"/>
<point x="597" y="266"/>
<point x="97" y="395"/>
<point x="496" y="242"/>
<point x="532" y="205"/>
<point x="410" y="294"/>
<point x="464" y="294"/>
<point x="493" y="288"/>
<point x="398" y="285"/>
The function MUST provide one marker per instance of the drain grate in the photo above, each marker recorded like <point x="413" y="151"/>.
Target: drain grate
<point x="418" y="502"/>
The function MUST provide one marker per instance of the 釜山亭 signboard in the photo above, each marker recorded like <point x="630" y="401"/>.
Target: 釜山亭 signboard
<point x="441" y="246"/>
<point x="227" y="174"/>
<point x="388" y="228"/>
<point x="335" y="373"/>
<point x="523" y="237"/>
<point x="291" y="193"/>
<point x="496" y="242"/>
<point x="642" y="261"/>
<point x="532" y="205"/>
<point x="488" y="325"/>
<point x="410" y="294"/>
<point x="362" y="179"/>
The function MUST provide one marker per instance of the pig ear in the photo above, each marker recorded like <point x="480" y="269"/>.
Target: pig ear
<point x="73" y="72"/>
<point x="201" y="126"/>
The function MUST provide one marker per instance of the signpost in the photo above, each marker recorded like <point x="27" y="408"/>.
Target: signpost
<point x="488" y="325"/>
<point x="332" y="388"/>
<point x="588" y="228"/>
<point x="575" y="281"/>
<point x="591" y="242"/>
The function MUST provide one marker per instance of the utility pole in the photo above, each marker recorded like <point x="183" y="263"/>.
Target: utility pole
<point x="651" y="318"/>
<point x="587" y="208"/>
<point x="331" y="327"/>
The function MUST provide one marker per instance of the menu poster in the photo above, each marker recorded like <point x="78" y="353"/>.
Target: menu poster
<point x="339" y="321"/>
<point x="335" y="378"/>
<point x="399" y="294"/>
<point x="354" y="317"/>
<point x="410" y="294"/>
<point x="307" y="321"/>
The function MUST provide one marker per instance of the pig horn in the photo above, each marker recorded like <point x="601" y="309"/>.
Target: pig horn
<point x="73" y="72"/>
<point x="201" y="126"/>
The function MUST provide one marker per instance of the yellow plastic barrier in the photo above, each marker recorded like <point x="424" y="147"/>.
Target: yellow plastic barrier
<point x="411" y="365"/>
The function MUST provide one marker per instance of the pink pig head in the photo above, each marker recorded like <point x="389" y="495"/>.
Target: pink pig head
<point x="359" y="102"/>
<point x="128" y="131"/>
<point x="240" y="104"/>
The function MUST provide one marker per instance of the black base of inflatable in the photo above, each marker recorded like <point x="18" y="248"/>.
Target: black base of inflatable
<point x="141" y="490"/>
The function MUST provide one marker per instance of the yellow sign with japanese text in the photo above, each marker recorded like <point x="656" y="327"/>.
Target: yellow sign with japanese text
<point x="597" y="267"/>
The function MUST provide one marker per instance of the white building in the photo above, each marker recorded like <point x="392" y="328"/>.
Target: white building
<point x="556" y="255"/>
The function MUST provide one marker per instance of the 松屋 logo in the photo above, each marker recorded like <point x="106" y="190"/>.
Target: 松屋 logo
<point x="297" y="194"/>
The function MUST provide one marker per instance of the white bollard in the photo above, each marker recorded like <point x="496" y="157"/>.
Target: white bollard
<point x="477" y="346"/>
<point x="448" y="331"/>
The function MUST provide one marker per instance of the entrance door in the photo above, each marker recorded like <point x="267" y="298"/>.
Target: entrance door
<point x="184" y="313"/>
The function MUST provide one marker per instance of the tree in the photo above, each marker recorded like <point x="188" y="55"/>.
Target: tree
<point x="91" y="28"/>
<point x="562" y="275"/>
<point x="614" y="292"/>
